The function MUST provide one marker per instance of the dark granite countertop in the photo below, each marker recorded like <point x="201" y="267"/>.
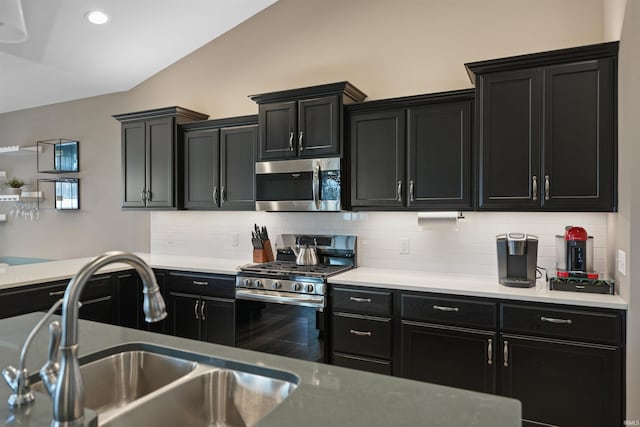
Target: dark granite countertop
<point x="326" y="395"/>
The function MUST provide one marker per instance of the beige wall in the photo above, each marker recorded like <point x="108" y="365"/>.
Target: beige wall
<point x="385" y="47"/>
<point x="628" y="230"/>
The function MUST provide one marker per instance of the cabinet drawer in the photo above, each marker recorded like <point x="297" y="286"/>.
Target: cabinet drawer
<point x="360" y="335"/>
<point x="374" y="303"/>
<point x="362" y="363"/>
<point x="203" y="284"/>
<point x="576" y="325"/>
<point x="449" y="311"/>
<point x="98" y="287"/>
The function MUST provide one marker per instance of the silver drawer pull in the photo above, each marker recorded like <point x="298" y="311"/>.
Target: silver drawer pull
<point x="360" y="333"/>
<point x="505" y="354"/>
<point x="57" y="293"/>
<point x="554" y="320"/>
<point x="357" y="299"/>
<point x="444" y="308"/>
<point x="199" y="283"/>
<point x="490" y="351"/>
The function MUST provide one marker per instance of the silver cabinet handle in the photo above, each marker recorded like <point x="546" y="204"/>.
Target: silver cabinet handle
<point x="56" y="293"/>
<point x="505" y="354"/>
<point x="223" y="194"/>
<point x="195" y="309"/>
<point x="360" y="333"/>
<point x="554" y="320"/>
<point x="358" y="299"/>
<point x="444" y="308"/>
<point x="200" y="283"/>
<point x="316" y="185"/>
<point x="291" y="141"/>
<point x="399" y="191"/>
<point x="411" y="191"/>
<point x="490" y="351"/>
<point x="300" y="146"/>
<point x="215" y="195"/>
<point x="148" y="195"/>
<point x="202" y="307"/>
<point x="143" y="196"/>
<point x="546" y="187"/>
<point x="534" y="187"/>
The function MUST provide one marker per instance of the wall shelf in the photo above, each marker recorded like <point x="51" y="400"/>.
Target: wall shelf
<point x="57" y="156"/>
<point x="26" y="195"/>
<point x="16" y="149"/>
<point x="66" y="192"/>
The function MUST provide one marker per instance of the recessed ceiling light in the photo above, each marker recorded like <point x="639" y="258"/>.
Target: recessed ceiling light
<point x="97" y="17"/>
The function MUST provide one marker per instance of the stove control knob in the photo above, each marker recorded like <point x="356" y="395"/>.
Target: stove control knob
<point x="276" y="285"/>
<point x="297" y="287"/>
<point x="248" y="283"/>
<point x="309" y="288"/>
<point x="258" y="284"/>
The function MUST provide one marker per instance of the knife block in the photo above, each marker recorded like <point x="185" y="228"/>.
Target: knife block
<point x="265" y="254"/>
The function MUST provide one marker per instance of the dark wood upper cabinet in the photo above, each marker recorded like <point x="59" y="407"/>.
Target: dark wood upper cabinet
<point x="219" y="164"/>
<point x="151" y="166"/>
<point x="439" y="155"/>
<point x="304" y="123"/>
<point x="378" y="145"/>
<point x="546" y="126"/>
<point x="412" y="152"/>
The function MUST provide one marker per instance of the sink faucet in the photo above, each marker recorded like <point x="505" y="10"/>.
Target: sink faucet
<point x="67" y="388"/>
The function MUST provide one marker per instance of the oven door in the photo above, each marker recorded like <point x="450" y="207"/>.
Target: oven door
<point x="281" y="323"/>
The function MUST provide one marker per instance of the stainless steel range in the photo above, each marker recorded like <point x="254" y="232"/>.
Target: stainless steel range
<point x="280" y="304"/>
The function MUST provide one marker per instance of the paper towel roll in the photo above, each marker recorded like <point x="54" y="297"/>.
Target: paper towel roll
<point x="447" y="221"/>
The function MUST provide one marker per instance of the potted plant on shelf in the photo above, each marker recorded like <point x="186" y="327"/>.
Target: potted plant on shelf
<point x="15" y="185"/>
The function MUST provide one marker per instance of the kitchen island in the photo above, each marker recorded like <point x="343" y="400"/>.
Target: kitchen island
<point x="326" y="395"/>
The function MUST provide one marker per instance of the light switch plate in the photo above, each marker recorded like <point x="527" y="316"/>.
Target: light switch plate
<point x="622" y="262"/>
<point x="404" y="246"/>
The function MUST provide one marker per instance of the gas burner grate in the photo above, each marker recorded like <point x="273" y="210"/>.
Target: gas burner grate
<point x="284" y="267"/>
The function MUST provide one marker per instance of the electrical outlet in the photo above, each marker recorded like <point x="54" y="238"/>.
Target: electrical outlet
<point x="404" y="246"/>
<point x="622" y="262"/>
<point x="235" y="239"/>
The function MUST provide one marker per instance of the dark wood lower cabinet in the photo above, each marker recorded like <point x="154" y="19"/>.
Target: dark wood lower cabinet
<point x="563" y="383"/>
<point x="130" y="301"/>
<point x="450" y="356"/>
<point x="202" y="318"/>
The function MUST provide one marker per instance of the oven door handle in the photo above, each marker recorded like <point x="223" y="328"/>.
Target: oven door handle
<point x="315" y="186"/>
<point x="316" y="301"/>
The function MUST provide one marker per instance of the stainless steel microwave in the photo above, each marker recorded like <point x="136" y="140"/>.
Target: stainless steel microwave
<point x="304" y="185"/>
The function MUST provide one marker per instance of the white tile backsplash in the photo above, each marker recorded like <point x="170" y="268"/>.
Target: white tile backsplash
<point x="470" y="249"/>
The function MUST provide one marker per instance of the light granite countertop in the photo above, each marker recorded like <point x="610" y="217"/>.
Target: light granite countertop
<point x="326" y="395"/>
<point x="471" y="285"/>
<point x="412" y="280"/>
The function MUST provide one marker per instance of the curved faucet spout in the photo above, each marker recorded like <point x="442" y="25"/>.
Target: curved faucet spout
<point x="68" y="399"/>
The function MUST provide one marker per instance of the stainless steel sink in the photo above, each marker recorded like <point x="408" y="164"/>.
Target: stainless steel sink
<point x="117" y="380"/>
<point x="220" y="397"/>
<point x="142" y="384"/>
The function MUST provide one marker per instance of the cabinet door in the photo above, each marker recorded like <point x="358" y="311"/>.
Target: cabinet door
<point x="160" y="139"/>
<point x="319" y="127"/>
<point x="579" y="136"/>
<point x="237" y="168"/>
<point x="218" y="317"/>
<point x="456" y="357"/>
<point x="378" y="158"/>
<point x="439" y="153"/>
<point x="277" y="124"/>
<point x="563" y="383"/>
<point x="509" y="146"/>
<point x="201" y="159"/>
<point x="184" y="315"/>
<point x="129" y="289"/>
<point x="134" y="167"/>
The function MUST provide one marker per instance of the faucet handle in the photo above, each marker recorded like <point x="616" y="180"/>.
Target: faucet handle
<point x="49" y="372"/>
<point x="18" y="380"/>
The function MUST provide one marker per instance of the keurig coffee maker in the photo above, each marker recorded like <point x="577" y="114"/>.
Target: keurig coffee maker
<point x="517" y="258"/>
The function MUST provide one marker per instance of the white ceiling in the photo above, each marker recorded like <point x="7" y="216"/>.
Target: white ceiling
<point x="65" y="57"/>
